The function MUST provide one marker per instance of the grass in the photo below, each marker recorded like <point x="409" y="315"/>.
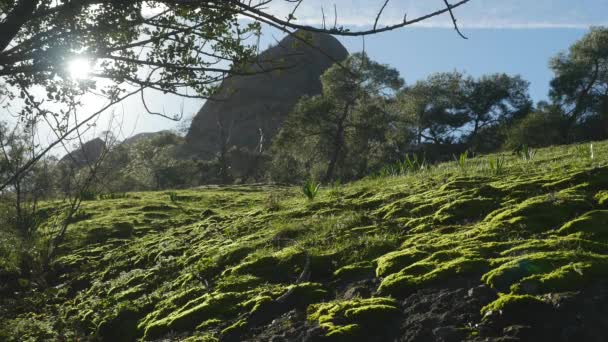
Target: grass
<point x="496" y="164"/>
<point x="311" y="189"/>
<point x="140" y="265"/>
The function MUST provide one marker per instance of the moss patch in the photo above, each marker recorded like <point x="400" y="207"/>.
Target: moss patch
<point x="353" y="319"/>
<point x="593" y="224"/>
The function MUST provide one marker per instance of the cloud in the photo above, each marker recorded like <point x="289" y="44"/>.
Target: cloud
<point x="515" y="14"/>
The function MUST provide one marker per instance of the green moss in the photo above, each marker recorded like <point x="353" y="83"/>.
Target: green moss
<point x="543" y="213"/>
<point x="593" y="224"/>
<point x="344" y="333"/>
<point x="515" y="307"/>
<point x="570" y="277"/>
<point x="235" y="329"/>
<point x="353" y="319"/>
<point x="187" y="319"/>
<point x="120" y="230"/>
<point x="122" y="327"/>
<point x="222" y="255"/>
<point x="602" y="198"/>
<point x="397" y="260"/>
<point x="278" y="267"/>
<point x="356" y="271"/>
<point x="425" y="273"/>
<point x="238" y="283"/>
<point x="305" y="293"/>
<point x="544" y="271"/>
<point x="465" y="210"/>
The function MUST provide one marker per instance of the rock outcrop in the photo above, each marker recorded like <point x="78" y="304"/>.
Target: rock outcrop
<point x="247" y="108"/>
<point x="88" y="153"/>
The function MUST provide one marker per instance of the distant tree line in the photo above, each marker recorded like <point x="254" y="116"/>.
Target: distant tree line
<point x="365" y="117"/>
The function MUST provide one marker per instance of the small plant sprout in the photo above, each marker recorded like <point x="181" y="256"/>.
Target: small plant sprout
<point x="585" y="152"/>
<point x="413" y="164"/>
<point x="526" y="153"/>
<point x="496" y="164"/>
<point x="310" y="189"/>
<point x="173" y="197"/>
<point x="462" y="161"/>
<point x="409" y="164"/>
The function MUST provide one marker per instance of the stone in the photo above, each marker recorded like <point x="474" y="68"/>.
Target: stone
<point x="249" y="107"/>
<point x="88" y="153"/>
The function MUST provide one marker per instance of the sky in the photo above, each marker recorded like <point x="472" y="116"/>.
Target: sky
<point x="511" y="36"/>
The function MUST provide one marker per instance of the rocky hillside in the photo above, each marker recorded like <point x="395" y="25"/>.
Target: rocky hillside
<point x="248" y="107"/>
<point x="86" y="154"/>
<point x="453" y="252"/>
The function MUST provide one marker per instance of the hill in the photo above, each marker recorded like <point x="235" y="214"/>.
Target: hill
<point x="248" y="107"/>
<point x="453" y="252"/>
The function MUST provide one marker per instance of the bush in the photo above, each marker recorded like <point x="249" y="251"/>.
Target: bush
<point x="310" y="189"/>
<point x="538" y="129"/>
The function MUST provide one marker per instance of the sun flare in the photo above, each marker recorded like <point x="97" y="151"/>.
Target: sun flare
<point x="79" y="68"/>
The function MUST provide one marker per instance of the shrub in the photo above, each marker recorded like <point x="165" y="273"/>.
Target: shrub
<point x="526" y="153"/>
<point x="496" y="164"/>
<point x="462" y="161"/>
<point x="310" y="189"/>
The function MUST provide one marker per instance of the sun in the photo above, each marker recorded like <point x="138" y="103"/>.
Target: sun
<point x="79" y="68"/>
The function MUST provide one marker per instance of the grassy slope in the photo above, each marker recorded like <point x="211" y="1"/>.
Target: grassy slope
<point x="219" y="262"/>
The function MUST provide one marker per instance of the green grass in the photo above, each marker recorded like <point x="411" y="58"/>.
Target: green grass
<point x="204" y="262"/>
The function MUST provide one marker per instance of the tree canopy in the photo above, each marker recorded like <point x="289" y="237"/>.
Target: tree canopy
<point x="178" y="47"/>
<point x="324" y="131"/>
<point x="580" y="84"/>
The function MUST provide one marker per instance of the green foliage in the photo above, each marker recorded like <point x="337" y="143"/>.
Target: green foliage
<point x="579" y="85"/>
<point x="462" y="161"/>
<point x="173" y="197"/>
<point x="526" y="153"/>
<point x="548" y="119"/>
<point x="408" y="165"/>
<point x="146" y="268"/>
<point x="439" y="109"/>
<point x="585" y="152"/>
<point x="341" y="133"/>
<point x="310" y="189"/>
<point x="354" y="319"/>
<point x="273" y="202"/>
<point x="113" y="195"/>
<point x="497" y="164"/>
<point x="88" y="195"/>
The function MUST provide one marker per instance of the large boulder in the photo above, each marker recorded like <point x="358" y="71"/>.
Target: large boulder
<point x="87" y="154"/>
<point x="248" y="107"/>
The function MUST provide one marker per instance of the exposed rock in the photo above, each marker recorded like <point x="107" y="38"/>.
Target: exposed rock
<point x="88" y="153"/>
<point x="249" y="107"/>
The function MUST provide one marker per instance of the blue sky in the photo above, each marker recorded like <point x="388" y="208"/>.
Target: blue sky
<point x="419" y="52"/>
<point x="512" y="36"/>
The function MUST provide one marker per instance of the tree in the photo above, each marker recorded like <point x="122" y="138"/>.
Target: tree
<point x="490" y="102"/>
<point x="580" y="84"/>
<point x="541" y="127"/>
<point x="346" y="118"/>
<point x="452" y="108"/>
<point x="25" y="191"/>
<point x="434" y="108"/>
<point x="172" y="46"/>
<point x="152" y="165"/>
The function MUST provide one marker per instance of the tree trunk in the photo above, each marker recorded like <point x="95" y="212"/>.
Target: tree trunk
<point x="338" y="142"/>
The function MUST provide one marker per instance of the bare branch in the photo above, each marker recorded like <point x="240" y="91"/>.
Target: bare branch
<point x="450" y="7"/>
<point x="253" y="13"/>
<point x="380" y="13"/>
